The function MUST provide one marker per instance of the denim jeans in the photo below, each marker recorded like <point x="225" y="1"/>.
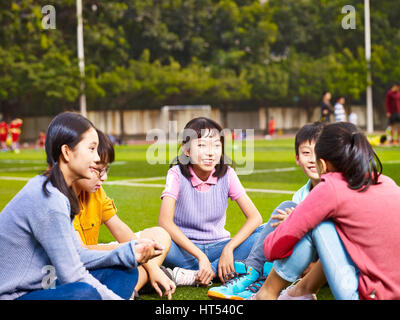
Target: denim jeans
<point x="178" y="257"/>
<point x="256" y="257"/>
<point x="340" y="271"/>
<point x="120" y="280"/>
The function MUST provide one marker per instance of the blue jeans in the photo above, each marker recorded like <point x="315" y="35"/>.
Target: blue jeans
<point x="256" y="257"/>
<point x="340" y="271"/>
<point x="120" y="280"/>
<point x="178" y="257"/>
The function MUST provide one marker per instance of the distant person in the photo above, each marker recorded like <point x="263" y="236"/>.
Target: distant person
<point x="41" y="140"/>
<point x="3" y="135"/>
<point x="194" y="204"/>
<point x="353" y="118"/>
<point x="392" y="103"/>
<point x="326" y="107"/>
<point x="15" y="130"/>
<point x="339" y="112"/>
<point x="377" y="140"/>
<point x="112" y="138"/>
<point x="271" y="126"/>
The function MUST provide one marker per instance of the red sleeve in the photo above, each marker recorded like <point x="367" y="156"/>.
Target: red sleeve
<point x="318" y="206"/>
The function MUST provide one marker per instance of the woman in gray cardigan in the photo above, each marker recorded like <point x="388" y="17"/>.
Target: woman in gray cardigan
<point x="41" y="258"/>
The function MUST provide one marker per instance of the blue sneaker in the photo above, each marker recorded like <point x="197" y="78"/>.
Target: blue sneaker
<point x="240" y="280"/>
<point x="255" y="286"/>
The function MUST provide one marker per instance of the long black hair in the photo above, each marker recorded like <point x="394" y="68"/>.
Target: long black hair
<point x="198" y="127"/>
<point x="66" y="128"/>
<point x="348" y="150"/>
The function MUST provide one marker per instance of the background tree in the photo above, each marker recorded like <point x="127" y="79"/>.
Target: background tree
<point x="232" y="54"/>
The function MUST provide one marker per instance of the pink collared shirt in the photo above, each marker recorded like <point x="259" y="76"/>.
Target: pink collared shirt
<point x="236" y="189"/>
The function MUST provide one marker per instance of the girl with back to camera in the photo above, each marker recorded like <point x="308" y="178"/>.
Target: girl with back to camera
<point x="193" y="208"/>
<point x="351" y="219"/>
<point x="39" y="248"/>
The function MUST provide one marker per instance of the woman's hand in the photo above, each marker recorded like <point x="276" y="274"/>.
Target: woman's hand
<point x="206" y="273"/>
<point x="281" y="216"/>
<point x="225" y="265"/>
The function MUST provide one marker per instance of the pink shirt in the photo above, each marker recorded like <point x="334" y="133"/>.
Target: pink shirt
<point x="172" y="184"/>
<point x="368" y="223"/>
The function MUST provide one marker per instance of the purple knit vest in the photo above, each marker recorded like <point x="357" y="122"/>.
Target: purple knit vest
<point x="202" y="215"/>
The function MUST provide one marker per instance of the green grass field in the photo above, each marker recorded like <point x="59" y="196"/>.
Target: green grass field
<point x="136" y="186"/>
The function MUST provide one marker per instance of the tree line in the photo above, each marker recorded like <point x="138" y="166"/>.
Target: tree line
<point x="231" y="54"/>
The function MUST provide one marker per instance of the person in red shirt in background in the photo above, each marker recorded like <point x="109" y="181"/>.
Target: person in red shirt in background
<point x="41" y="140"/>
<point x="392" y="103"/>
<point x="271" y="126"/>
<point x="15" y="129"/>
<point x="3" y="135"/>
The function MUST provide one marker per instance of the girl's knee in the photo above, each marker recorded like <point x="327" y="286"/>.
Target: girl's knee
<point x="158" y="234"/>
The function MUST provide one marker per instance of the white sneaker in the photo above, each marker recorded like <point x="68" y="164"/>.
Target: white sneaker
<point x="183" y="277"/>
<point x="284" y="295"/>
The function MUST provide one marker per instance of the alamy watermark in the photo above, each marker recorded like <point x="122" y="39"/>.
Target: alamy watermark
<point x="49" y="17"/>
<point x="49" y="279"/>
<point x="349" y="20"/>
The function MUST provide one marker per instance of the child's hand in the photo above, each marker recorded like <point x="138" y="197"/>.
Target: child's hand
<point x="159" y="281"/>
<point x="225" y="265"/>
<point x="281" y="216"/>
<point x="206" y="273"/>
<point x="147" y="249"/>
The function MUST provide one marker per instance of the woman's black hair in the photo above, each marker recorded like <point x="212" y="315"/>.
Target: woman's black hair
<point x="194" y="129"/>
<point x="348" y="150"/>
<point x="66" y="128"/>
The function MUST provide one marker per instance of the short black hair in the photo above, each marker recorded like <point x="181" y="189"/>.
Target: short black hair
<point x="308" y="132"/>
<point x="105" y="148"/>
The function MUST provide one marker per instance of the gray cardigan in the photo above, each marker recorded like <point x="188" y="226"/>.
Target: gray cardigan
<point x="37" y="236"/>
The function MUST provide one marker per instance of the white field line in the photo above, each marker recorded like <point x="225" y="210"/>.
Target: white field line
<point x="23" y="169"/>
<point x="136" y="182"/>
<point x="154" y="185"/>
<point x="22" y="161"/>
<point x="143" y="179"/>
<point x="15" y="178"/>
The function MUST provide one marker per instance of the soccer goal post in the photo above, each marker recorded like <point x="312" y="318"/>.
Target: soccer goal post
<point x="174" y="118"/>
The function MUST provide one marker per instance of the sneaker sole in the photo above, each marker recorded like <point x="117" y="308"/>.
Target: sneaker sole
<point x="236" y="298"/>
<point x="217" y="295"/>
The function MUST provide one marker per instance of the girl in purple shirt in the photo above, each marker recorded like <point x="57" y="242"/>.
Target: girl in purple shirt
<point x="193" y="208"/>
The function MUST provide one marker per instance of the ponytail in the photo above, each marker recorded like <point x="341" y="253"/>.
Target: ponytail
<point x="348" y="150"/>
<point x="363" y="166"/>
